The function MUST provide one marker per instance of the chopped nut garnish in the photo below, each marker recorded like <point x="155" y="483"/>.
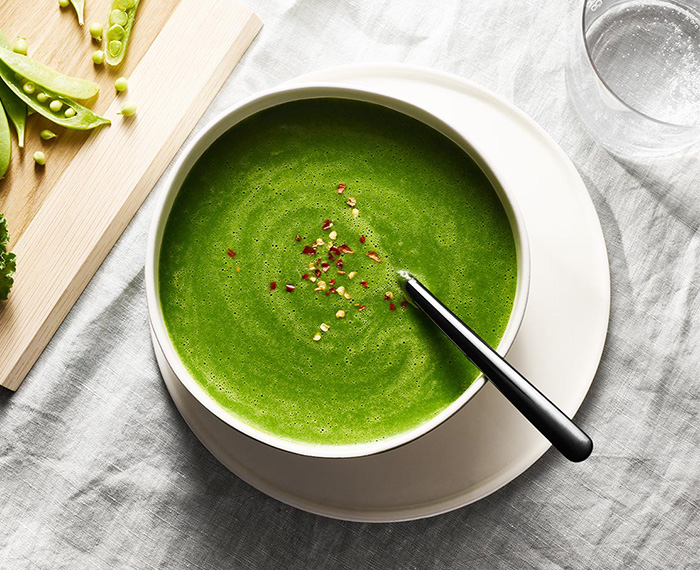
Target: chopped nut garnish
<point x="388" y="295"/>
<point x="373" y="256"/>
<point x="333" y="235"/>
<point x="355" y="212"/>
<point x="317" y="336"/>
<point x="340" y="314"/>
<point x="352" y="274"/>
<point x="341" y="290"/>
<point x="324" y="327"/>
<point x="351" y="202"/>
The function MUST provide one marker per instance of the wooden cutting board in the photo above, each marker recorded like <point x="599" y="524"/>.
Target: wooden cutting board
<point x="64" y="218"/>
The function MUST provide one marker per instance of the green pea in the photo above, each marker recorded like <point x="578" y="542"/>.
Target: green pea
<point x="20" y="46"/>
<point x="118" y="17"/>
<point x="70" y="112"/>
<point x="98" y="57"/>
<point x="96" y="30"/>
<point x="128" y="109"/>
<point x="114" y="48"/>
<point x="121" y="84"/>
<point x="42" y="97"/>
<point x="39" y="157"/>
<point x="47" y="135"/>
<point x="125" y="4"/>
<point x="29" y="88"/>
<point x="63" y="3"/>
<point x="115" y="32"/>
<point x="55" y="106"/>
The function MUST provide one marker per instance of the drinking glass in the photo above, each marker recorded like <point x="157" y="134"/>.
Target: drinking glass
<point x="633" y="75"/>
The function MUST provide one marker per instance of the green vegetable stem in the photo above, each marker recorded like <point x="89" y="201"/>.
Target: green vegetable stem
<point x="5" y="143"/>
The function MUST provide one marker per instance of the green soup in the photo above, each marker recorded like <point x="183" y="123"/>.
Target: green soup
<point x="421" y="204"/>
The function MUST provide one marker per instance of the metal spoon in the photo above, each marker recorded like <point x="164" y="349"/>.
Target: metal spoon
<point x="554" y="424"/>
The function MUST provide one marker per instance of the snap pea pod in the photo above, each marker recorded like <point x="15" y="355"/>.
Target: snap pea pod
<point x="52" y="105"/>
<point x="43" y="76"/>
<point x="5" y="143"/>
<point x="79" y="6"/>
<point x="121" y="20"/>
<point x="15" y="109"/>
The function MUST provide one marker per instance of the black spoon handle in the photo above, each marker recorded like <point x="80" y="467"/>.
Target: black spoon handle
<point x="554" y="424"/>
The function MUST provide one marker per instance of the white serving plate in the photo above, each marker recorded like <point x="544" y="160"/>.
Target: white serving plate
<point x="486" y="444"/>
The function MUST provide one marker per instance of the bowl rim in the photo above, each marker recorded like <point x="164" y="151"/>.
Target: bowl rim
<point x="226" y="120"/>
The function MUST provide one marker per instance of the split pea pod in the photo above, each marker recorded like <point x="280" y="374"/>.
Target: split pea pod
<point x="39" y="74"/>
<point x="5" y="143"/>
<point x="16" y="110"/>
<point x="51" y="104"/>
<point x="121" y="21"/>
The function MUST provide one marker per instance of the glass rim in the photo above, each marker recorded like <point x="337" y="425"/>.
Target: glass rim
<point x="612" y="92"/>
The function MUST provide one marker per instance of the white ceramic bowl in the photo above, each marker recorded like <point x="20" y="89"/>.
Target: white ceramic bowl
<point x="189" y="157"/>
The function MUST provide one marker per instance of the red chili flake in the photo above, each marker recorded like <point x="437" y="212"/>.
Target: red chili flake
<point x="305" y="276"/>
<point x="332" y="282"/>
<point x="298" y="238"/>
<point x="363" y="239"/>
<point x="404" y="304"/>
<point x="309" y="250"/>
<point x="364" y="284"/>
<point x="326" y="225"/>
<point x="388" y="297"/>
<point x="273" y="285"/>
<point x="231" y="253"/>
<point x="341" y="188"/>
<point x="345" y="248"/>
<point x="361" y="307"/>
<point x="335" y="250"/>
<point x="392" y="307"/>
<point x="289" y="288"/>
<point x="330" y="256"/>
<point x="317" y="272"/>
<point x="332" y="290"/>
<point x="328" y="293"/>
<point x="373" y="255"/>
<point x="339" y="264"/>
<point x="325" y="266"/>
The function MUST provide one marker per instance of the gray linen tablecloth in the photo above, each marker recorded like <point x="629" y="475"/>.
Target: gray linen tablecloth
<point x="98" y="470"/>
